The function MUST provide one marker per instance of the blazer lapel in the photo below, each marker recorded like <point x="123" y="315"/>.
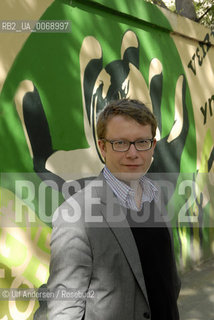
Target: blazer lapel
<point x="115" y="216"/>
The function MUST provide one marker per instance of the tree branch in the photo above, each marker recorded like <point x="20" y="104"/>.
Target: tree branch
<point x="204" y="14"/>
<point x="186" y="8"/>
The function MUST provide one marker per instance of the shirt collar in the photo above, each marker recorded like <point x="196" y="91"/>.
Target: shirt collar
<point x="122" y="190"/>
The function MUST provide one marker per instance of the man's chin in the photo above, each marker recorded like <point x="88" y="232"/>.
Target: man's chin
<point x="129" y="176"/>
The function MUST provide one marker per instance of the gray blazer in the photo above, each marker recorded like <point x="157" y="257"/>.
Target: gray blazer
<point x="99" y="257"/>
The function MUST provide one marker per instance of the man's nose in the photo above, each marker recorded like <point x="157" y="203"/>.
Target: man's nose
<point x="132" y="152"/>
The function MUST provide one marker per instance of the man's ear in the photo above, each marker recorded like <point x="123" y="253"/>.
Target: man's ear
<point x="154" y="143"/>
<point x="102" y="147"/>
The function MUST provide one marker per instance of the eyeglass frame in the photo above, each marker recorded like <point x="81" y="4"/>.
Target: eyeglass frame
<point x="130" y="143"/>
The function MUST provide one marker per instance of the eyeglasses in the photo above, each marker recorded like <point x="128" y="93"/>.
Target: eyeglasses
<point x="124" y="145"/>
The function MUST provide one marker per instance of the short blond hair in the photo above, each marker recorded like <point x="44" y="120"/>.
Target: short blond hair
<point x="127" y="108"/>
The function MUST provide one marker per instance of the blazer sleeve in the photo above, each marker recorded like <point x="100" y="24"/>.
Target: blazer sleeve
<point x="70" y="270"/>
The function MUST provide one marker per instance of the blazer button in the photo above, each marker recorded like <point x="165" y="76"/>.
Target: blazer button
<point x="146" y="315"/>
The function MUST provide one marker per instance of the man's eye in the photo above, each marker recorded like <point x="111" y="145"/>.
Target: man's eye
<point x="121" y="142"/>
<point x="143" y="142"/>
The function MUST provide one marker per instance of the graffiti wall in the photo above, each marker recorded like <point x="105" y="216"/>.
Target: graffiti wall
<point x="61" y="61"/>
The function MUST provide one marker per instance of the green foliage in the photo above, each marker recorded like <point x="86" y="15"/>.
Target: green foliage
<point x="205" y="12"/>
<point x="204" y="9"/>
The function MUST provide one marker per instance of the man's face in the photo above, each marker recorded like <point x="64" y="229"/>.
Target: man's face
<point x="131" y="164"/>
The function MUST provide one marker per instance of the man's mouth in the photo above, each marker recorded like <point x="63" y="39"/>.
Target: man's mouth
<point x="132" y="165"/>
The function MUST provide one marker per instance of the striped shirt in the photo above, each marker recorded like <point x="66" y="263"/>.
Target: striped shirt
<point x="125" y="193"/>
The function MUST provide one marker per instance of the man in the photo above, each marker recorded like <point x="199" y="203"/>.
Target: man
<point x="107" y="261"/>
